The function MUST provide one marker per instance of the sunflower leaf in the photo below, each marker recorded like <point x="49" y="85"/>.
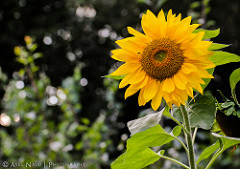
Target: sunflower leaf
<point x="202" y="111"/>
<point x="208" y="33"/>
<point x="221" y="58"/>
<point x="139" y="154"/>
<point x="152" y="137"/>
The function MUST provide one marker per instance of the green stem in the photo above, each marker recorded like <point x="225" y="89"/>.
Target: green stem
<point x="175" y="161"/>
<point x="191" y="154"/>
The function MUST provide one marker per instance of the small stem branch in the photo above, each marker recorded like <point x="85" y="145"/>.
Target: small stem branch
<point x="234" y="97"/>
<point x="191" y="154"/>
<point x="194" y="134"/>
<point x="31" y="79"/>
<point x="178" y="123"/>
<point x="216" y="155"/>
<point x="184" y="146"/>
<point x="175" y="161"/>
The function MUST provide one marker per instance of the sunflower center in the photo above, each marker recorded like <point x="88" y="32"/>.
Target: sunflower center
<point x="161" y="55"/>
<point x="162" y="59"/>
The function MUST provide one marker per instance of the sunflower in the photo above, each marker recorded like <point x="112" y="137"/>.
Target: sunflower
<point x="167" y="62"/>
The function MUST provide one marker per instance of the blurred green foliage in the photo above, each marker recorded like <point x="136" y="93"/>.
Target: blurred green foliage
<point x="35" y="132"/>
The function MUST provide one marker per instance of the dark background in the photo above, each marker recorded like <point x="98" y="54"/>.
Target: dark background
<point x="90" y="37"/>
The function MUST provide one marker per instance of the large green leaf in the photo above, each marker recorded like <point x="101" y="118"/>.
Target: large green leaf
<point x="221" y="58"/>
<point x="143" y="123"/>
<point x="208" y="33"/>
<point x="152" y="137"/>
<point x="138" y="154"/>
<point x="202" y="111"/>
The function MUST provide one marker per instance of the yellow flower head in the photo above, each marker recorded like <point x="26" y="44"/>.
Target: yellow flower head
<point x="168" y="61"/>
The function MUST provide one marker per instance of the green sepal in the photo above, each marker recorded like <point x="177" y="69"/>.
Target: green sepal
<point x="207" y="80"/>
<point x="208" y="33"/>
<point x="217" y="46"/>
<point x="115" y="77"/>
<point x="221" y="58"/>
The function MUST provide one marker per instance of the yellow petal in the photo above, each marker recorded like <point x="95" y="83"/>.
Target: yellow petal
<point x="183" y="28"/>
<point x="178" y="18"/>
<point x="162" y="23"/>
<point x="125" y="56"/>
<point x="195" y="39"/>
<point x="182" y="76"/>
<point x="132" y="78"/>
<point x="181" y="95"/>
<point x="126" y="68"/>
<point x="150" y="25"/>
<point x="179" y="82"/>
<point x="131" y="90"/>
<point x="167" y="97"/>
<point x="196" y="86"/>
<point x="189" y="91"/>
<point x="171" y="22"/>
<point x="131" y="44"/>
<point x="150" y="90"/>
<point x="157" y="99"/>
<point x="204" y="74"/>
<point x="203" y="63"/>
<point x="188" y="68"/>
<point x="161" y="16"/>
<point x="139" y="35"/>
<point x="143" y="82"/>
<point x="175" y="100"/>
<point x="168" y="85"/>
<point x="204" y="45"/>
<point x="141" y="101"/>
